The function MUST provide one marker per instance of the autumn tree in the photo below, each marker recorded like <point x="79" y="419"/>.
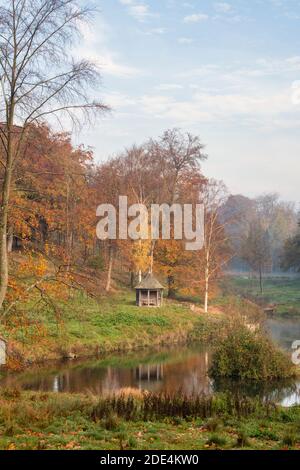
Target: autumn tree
<point x="51" y="217"/>
<point x="166" y="170"/>
<point x="140" y="183"/>
<point x="51" y="194"/>
<point x="176" y="264"/>
<point x="108" y="186"/>
<point x="39" y="79"/>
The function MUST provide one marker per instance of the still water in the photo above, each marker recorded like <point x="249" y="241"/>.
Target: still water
<point x="169" y="370"/>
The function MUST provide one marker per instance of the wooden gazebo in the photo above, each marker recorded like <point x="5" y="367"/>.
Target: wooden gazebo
<point x="149" y="292"/>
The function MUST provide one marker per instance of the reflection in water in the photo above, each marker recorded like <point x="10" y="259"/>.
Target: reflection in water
<point x="286" y="392"/>
<point x="182" y="370"/>
<point x="167" y="370"/>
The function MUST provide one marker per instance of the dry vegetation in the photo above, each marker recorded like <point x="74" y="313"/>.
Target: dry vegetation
<point x="43" y="421"/>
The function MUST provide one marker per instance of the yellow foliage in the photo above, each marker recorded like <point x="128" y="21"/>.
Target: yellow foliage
<point x="140" y="255"/>
<point x="33" y="265"/>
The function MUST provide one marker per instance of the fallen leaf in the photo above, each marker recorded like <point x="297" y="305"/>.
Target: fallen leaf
<point x="70" y="445"/>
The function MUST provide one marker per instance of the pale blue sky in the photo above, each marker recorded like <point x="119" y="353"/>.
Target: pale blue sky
<point x="226" y="71"/>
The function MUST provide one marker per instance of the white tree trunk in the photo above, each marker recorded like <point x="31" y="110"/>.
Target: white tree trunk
<point x="207" y="267"/>
<point x="109" y="272"/>
<point x="206" y="295"/>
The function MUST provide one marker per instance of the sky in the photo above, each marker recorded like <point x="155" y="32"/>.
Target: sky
<point x="226" y="71"/>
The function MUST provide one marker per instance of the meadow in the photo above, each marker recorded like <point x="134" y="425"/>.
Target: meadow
<point x="283" y="292"/>
<point x="42" y="421"/>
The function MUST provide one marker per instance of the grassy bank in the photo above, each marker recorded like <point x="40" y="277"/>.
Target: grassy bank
<point x="60" y="421"/>
<point x="83" y="326"/>
<point x="283" y="292"/>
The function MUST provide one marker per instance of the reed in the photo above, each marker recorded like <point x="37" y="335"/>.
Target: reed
<point x="156" y="406"/>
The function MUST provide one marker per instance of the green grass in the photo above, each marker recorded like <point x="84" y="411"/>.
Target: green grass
<point x="40" y="421"/>
<point x="284" y="292"/>
<point x="86" y="326"/>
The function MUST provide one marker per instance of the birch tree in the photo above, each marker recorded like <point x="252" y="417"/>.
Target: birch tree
<point x="216" y="253"/>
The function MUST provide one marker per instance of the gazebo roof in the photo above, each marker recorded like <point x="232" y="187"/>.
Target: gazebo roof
<point x="149" y="282"/>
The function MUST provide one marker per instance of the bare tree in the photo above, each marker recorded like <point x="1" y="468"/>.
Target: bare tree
<point x="256" y="249"/>
<point x="176" y="152"/>
<point x="173" y="155"/>
<point x="39" y="78"/>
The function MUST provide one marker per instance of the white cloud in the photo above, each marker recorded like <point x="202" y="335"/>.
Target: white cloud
<point x="292" y="15"/>
<point x="118" y="100"/>
<point x="185" y="40"/>
<point x="238" y="104"/>
<point x="277" y="66"/>
<point x="294" y="60"/>
<point x="111" y="65"/>
<point x="195" y="18"/>
<point x="258" y="110"/>
<point x="204" y="70"/>
<point x="169" y="86"/>
<point x="262" y="68"/>
<point x="158" y="31"/>
<point x="95" y="47"/>
<point x="222" y="7"/>
<point x="139" y="11"/>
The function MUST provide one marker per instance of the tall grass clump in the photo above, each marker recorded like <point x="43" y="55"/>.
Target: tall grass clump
<point x="248" y="355"/>
<point x="157" y="406"/>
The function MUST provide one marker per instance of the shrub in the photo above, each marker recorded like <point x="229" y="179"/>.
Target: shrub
<point x="205" y="330"/>
<point x="247" y="355"/>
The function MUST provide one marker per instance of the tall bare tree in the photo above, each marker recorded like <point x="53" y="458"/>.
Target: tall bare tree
<point x="39" y="78"/>
<point x="256" y="249"/>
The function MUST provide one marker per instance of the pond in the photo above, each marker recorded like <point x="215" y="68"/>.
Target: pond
<point x="169" y="370"/>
